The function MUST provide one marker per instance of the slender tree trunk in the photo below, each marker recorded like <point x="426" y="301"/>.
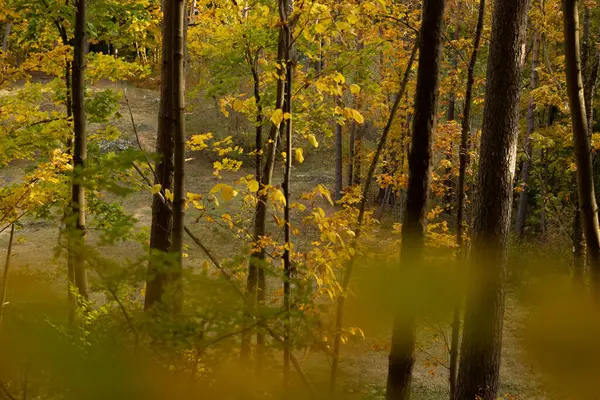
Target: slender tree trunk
<point x="359" y="223"/>
<point x="401" y="357"/>
<point x="589" y="67"/>
<point x="259" y="118"/>
<point x="339" y="174"/>
<point x="7" y="29"/>
<point x="178" y="104"/>
<point x="352" y="150"/>
<point x="192" y="18"/>
<point x="256" y="283"/>
<point x="579" y="121"/>
<point x="465" y="138"/>
<point x="76" y="257"/>
<point x="4" y="288"/>
<point x="162" y="215"/>
<point x="287" y="262"/>
<point x="578" y="244"/>
<point x="357" y="155"/>
<point x="525" y="171"/>
<point x="482" y="335"/>
<point x="450" y="116"/>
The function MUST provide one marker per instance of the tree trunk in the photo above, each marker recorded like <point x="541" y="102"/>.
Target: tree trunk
<point x="7" y="29"/>
<point x="359" y="223"/>
<point x="578" y="245"/>
<point x="450" y="116"/>
<point x="285" y="12"/>
<point x="465" y="138"/>
<point x="256" y="283"/>
<point x="5" y="275"/>
<point x="525" y="171"/>
<point x="357" y="155"/>
<point x="352" y="149"/>
<point x="579" y="121"/>
<point x="482" y="335"/>
<point x="192" y="18"/>
<point x="162" y="217"/>
<point x="76" y="258"/>
<point x="401" y="357"/>
<point x="259" y="117"/>
<point x="178" y="42"/>
<point x="339" y="174"/>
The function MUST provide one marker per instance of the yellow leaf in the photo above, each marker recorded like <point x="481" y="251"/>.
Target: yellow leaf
<point x="354" y="88"/>
<point x="325" y="193"/>
<point x="156" y="188"/>
<point x="342" y="26"/>
<point x="227" y="193"/>
<point x="313" y="140"/>
<point x="320" y="27"/>
<point x="287" y="116"/>
<point x="352" y="19"/>
<point x="238" y="105"/>
<point x="277" y="116"/>
<point x="299" y="155"/>
<point x="278" y="196"/>
<point x="357" y="116"/>
<point x="169" y="195"/>
<point x="253" y="186"/>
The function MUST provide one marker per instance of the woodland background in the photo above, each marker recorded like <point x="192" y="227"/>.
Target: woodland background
<point x="249" y="199"/>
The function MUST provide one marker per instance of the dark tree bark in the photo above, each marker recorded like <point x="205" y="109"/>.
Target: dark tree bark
<point x="401" y="357"/>
<point x="339" y="157"/>
<point x="451" y="116"/>
<point x="357" y="155"/>
<point x="352" y="150"/>
<point x="589" y="67"/>
<point x="178" y="42"/>
<point x="4" y="287"/>
<point x="7" y="28"/>
<point x="359" y="223"/>
<point x="76" y="258"/>
<point x="162" y="216"/>
<point x="285" y="11"/>
<point x="525" y="171"/>
<point x="259" y="116"/>
<point x="256" y="282"/>
<point x="579" y="121"/>
<point x="465" y="138"/>
<point x="578" y="244"/>
<point x="482" y="335"/>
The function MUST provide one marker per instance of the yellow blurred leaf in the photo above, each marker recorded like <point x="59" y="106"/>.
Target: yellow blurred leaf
<point x="253" y="186"/>
<point x="277" y="116"/>
<point x="357" y="116"/>
<point x="299" y="155"/>
<point x="169" y="195"/>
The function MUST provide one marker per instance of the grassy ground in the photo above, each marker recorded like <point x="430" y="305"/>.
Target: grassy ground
<point x="364" y="363"/>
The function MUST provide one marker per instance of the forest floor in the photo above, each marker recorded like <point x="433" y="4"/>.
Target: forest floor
<point x="364" y="363"/>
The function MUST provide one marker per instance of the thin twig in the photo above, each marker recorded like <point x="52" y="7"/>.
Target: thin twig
<point x="19" y="199"/>
<point x="6" y="392"/>
<point x="137" y="136"/>
<point x="227" y="276"/>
